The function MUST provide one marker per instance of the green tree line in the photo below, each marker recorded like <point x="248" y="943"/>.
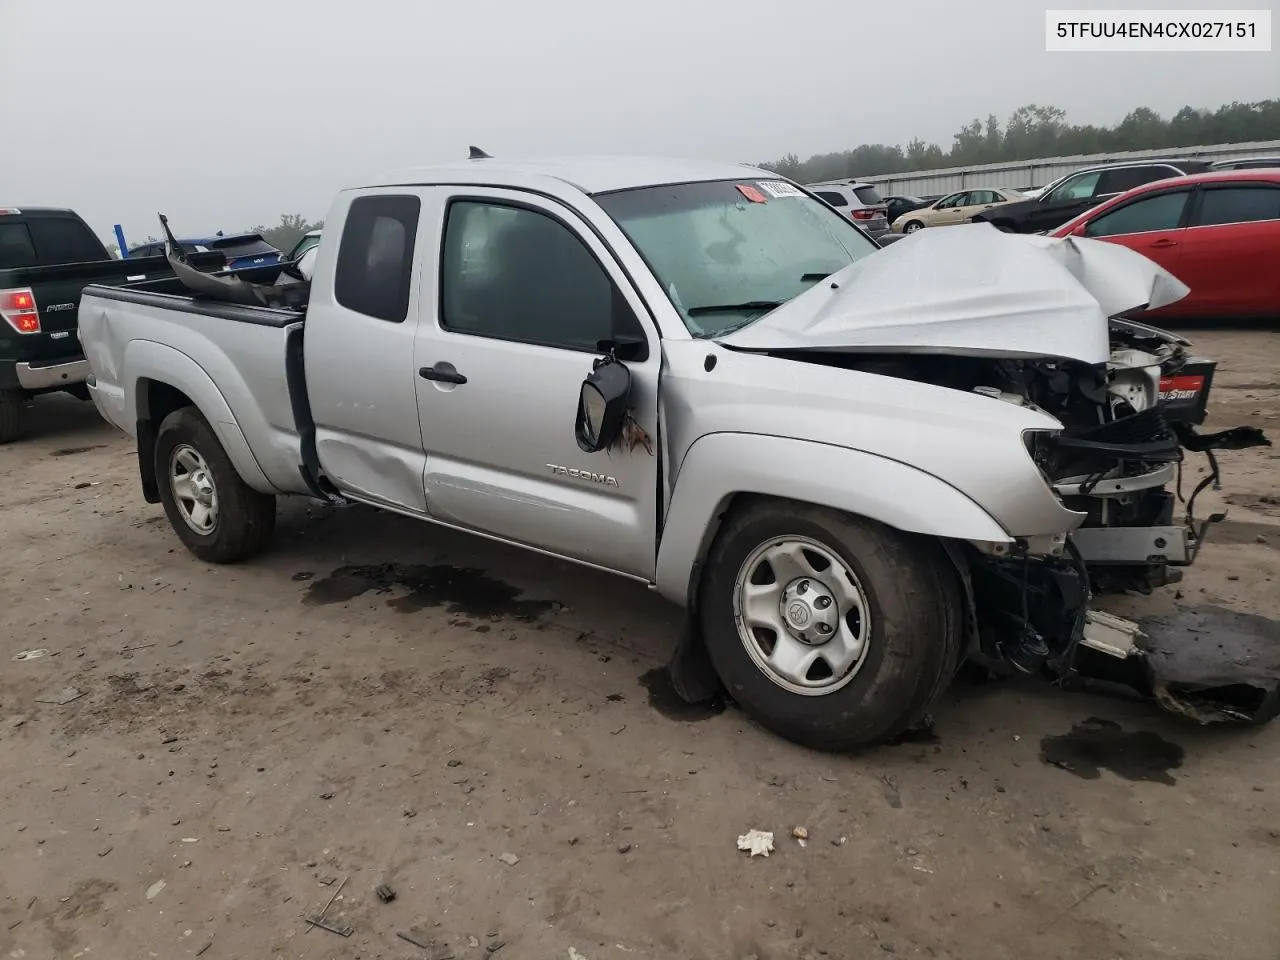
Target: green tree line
<point x="1034" y="131"/>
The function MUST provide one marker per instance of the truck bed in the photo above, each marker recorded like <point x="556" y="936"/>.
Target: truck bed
<point x="245" y="362"/>
<point x="59" y="286"/>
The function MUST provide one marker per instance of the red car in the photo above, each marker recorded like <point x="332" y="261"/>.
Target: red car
<point x="1219" y="233"/>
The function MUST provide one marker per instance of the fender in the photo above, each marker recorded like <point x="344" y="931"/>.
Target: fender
<point x="147" y="359"/>
<point x="864" y="484"/>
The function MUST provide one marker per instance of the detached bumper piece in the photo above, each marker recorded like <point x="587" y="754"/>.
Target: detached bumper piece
<point x="1209" y="664"/>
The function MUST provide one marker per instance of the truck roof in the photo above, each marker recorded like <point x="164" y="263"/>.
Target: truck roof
<point x="590" y="174"/>
<point x="23" y="209"/>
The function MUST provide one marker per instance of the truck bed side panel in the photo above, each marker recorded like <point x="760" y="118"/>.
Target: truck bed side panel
<point x="229" y="360"/>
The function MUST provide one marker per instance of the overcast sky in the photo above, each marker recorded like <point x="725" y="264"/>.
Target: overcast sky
<point x="226" y="114"/>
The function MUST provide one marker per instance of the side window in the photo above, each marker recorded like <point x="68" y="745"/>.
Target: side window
<point x="1074" y="188"/>
<point x="955" y="200"/>
<point x="375" y="256"/>
<point x="982" y="196"/>
<point x="1161" y="212"/>
<point x="517" y="274"/>
<point x="831" y="197"/>
<point x="1126" y="178"/>
<point x="1238" y="205"/>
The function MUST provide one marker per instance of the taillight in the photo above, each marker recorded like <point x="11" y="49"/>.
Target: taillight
<point x="864" y="214"/>
<point x="19" y="308"/>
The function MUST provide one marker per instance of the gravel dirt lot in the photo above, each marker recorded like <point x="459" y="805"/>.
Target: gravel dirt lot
<point x="378" y="701"/>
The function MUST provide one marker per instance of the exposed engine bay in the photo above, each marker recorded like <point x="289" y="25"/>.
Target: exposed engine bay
<point x="1130" y="427"/>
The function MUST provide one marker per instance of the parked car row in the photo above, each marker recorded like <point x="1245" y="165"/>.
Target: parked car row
<point x="1217" y="232"/>
<point x="1024" y="210"/>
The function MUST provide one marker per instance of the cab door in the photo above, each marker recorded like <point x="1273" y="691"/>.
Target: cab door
<point x="520" y="296"/>
<point x="358" y="351"/>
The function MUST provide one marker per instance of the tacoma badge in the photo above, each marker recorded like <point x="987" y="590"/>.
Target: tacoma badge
<point x="590" y="476"/>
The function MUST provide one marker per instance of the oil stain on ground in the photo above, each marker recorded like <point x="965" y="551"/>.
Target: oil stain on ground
<point x="664" y="699"/>
<point x="460" y="590"/>
<point x="1099" y="744"/>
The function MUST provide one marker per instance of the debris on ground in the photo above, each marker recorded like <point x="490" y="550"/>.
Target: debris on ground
<point x="510" y="859"/>
<point x="802" y="836"/>
<point x="434" y="948"/>
<point x="60" y="697"/>
<point x="575" y="955"/>
<point x="341" y="929"/>
<point x="758" y="843"/>
<point x="384" y="893"/>
<point x="153" y="891"/>
<point x="624" y="848"/>
<point x="30" y="655"/>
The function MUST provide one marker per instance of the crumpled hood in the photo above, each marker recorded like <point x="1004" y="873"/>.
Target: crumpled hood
<point x="974" y="290"/>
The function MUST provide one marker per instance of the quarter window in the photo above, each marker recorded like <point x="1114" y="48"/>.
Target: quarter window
<point x="375" y="256"/>
<point x="516" y="274"/>
<point x="831" y="197"/>
<point x="1161" y="212"/>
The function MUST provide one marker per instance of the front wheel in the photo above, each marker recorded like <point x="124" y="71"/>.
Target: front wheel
<point x="913" y="226"/>
<point x="830" y="630"/>
<point x="216" y="515"/>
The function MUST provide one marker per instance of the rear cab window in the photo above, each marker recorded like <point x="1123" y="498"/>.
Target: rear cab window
<point x="42" y="241"/>
<point x="375" y="256"/>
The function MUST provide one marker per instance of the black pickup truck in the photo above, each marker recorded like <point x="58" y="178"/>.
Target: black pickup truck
<point x="47" y="256"/>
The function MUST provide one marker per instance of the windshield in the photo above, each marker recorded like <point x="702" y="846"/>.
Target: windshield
<point x="726" y="252"/>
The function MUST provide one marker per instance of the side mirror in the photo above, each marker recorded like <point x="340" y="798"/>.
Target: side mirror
<point x="602" y="405"/>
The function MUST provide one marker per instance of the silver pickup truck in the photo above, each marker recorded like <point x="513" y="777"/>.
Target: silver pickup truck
<point x="854" y="467"/>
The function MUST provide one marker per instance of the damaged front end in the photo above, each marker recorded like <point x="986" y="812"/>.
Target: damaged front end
<point x="1128" y="428"/>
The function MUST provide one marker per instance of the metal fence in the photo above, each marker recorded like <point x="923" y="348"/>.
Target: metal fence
<point x="1025" y="174"/>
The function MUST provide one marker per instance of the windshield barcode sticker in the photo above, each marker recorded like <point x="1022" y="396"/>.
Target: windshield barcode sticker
<point x="780" y="188"/>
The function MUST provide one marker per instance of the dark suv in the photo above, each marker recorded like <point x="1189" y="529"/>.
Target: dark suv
<point x="1077" y="192"/>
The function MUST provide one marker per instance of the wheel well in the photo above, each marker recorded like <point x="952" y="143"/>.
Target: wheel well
<point x="736" y="502"/>
<point x="156" y="400"/>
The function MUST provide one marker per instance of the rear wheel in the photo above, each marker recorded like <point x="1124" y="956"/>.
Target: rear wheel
<point x="833" y="631"/>
<point x="216" y="515"/>
<point x="12" y="404"/>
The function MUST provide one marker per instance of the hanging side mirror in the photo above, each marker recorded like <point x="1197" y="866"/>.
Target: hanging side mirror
<point x="602" y="404"/>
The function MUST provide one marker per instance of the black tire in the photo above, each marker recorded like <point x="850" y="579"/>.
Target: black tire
<point x="911" y="226"/>
<point x="12" y="404"/>
<point x="916" y="627"/>
<point x="245" y="519"/>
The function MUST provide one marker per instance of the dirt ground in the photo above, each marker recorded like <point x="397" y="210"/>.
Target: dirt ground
<point x="378" y="701"/>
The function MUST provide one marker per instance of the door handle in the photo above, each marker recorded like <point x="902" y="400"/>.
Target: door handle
<point x="1161" y="244"/>
<point x="442" y="372"/>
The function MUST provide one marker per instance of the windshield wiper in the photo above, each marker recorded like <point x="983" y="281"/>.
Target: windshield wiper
<point x="733" y="307"/>
<point x="813" y="277"/>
